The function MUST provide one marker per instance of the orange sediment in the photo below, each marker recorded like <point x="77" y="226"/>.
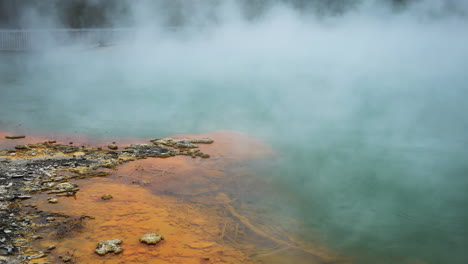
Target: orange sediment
<point x="190" y="236"/>
<point x="191" y="202"/>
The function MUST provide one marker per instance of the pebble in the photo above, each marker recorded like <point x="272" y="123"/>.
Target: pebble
<point x="52" y="200"/>
<point x="65" y="186"/>
<point x="51" y="247"/>
<point x="113" y="147"/>
<point x="107" y="246"/>
<point x="21" y="147"/>
<point x="201" y="140"/>
<point x="38" y="255"/>
<point x="151" y="238"/>
<point x="106" y="197"/>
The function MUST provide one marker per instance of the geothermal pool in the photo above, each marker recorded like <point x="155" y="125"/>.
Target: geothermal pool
<point x="370" y="141"/>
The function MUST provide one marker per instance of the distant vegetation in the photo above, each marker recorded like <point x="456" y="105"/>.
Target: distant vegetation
<point x="105" y="13"/>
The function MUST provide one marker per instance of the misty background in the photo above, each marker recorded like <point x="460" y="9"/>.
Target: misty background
<point x="364" y="100"/>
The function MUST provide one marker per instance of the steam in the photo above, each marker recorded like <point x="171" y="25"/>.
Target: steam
<point x="365" y="101"/>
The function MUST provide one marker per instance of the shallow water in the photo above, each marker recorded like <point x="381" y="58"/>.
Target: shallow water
<point x="371" y="141"/>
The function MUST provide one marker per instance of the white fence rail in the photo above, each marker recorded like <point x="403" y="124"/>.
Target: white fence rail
<point x="36" y="39"/>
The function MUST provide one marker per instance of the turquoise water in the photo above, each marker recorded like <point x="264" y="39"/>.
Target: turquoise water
<point x="372" y="138"/>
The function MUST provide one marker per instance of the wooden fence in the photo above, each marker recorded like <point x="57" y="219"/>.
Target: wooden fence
<point x="37" y="39"/>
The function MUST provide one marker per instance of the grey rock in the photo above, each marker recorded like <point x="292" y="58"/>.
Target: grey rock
<point x="201" y="140"/>
<point x="151" y="238"/>
<point x="107" y="246"/>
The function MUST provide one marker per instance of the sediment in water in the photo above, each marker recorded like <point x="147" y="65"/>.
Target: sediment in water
<point x="194" y="202"/>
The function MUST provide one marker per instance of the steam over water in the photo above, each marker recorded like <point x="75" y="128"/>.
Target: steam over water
<point x="367" y="110"/>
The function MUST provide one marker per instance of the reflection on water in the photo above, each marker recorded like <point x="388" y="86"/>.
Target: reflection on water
<point x="205" y="208"/>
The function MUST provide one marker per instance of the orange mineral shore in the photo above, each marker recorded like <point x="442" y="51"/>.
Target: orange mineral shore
<point x="202" y="207"/>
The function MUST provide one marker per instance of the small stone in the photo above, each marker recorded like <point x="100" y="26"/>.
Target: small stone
<point x="151" y="238"/>
<point x="201" y="140"/>
<point x="204" y="156"/>
<point x="21" y="147"/>
<point x="38" y="255"/>
<point x="67" y="259"/>
<point x="50" y="219"/>
<point x="185" y="144"/>
<point x="52" y="200"/>
<point x="65" y="187"/>
<point x="51" y="247"/>
<point x="206" y="258"/>
<point x="106" y="197"/>
<point x="15" y="136"/>
<point x="113" y="147"/>
<point x="107" y="246"/>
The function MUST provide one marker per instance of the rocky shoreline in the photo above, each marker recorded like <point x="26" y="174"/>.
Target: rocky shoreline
<point x="48" y="167"/>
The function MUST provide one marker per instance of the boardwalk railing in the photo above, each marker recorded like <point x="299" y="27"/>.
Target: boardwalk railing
<point x="37" y="39"/>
